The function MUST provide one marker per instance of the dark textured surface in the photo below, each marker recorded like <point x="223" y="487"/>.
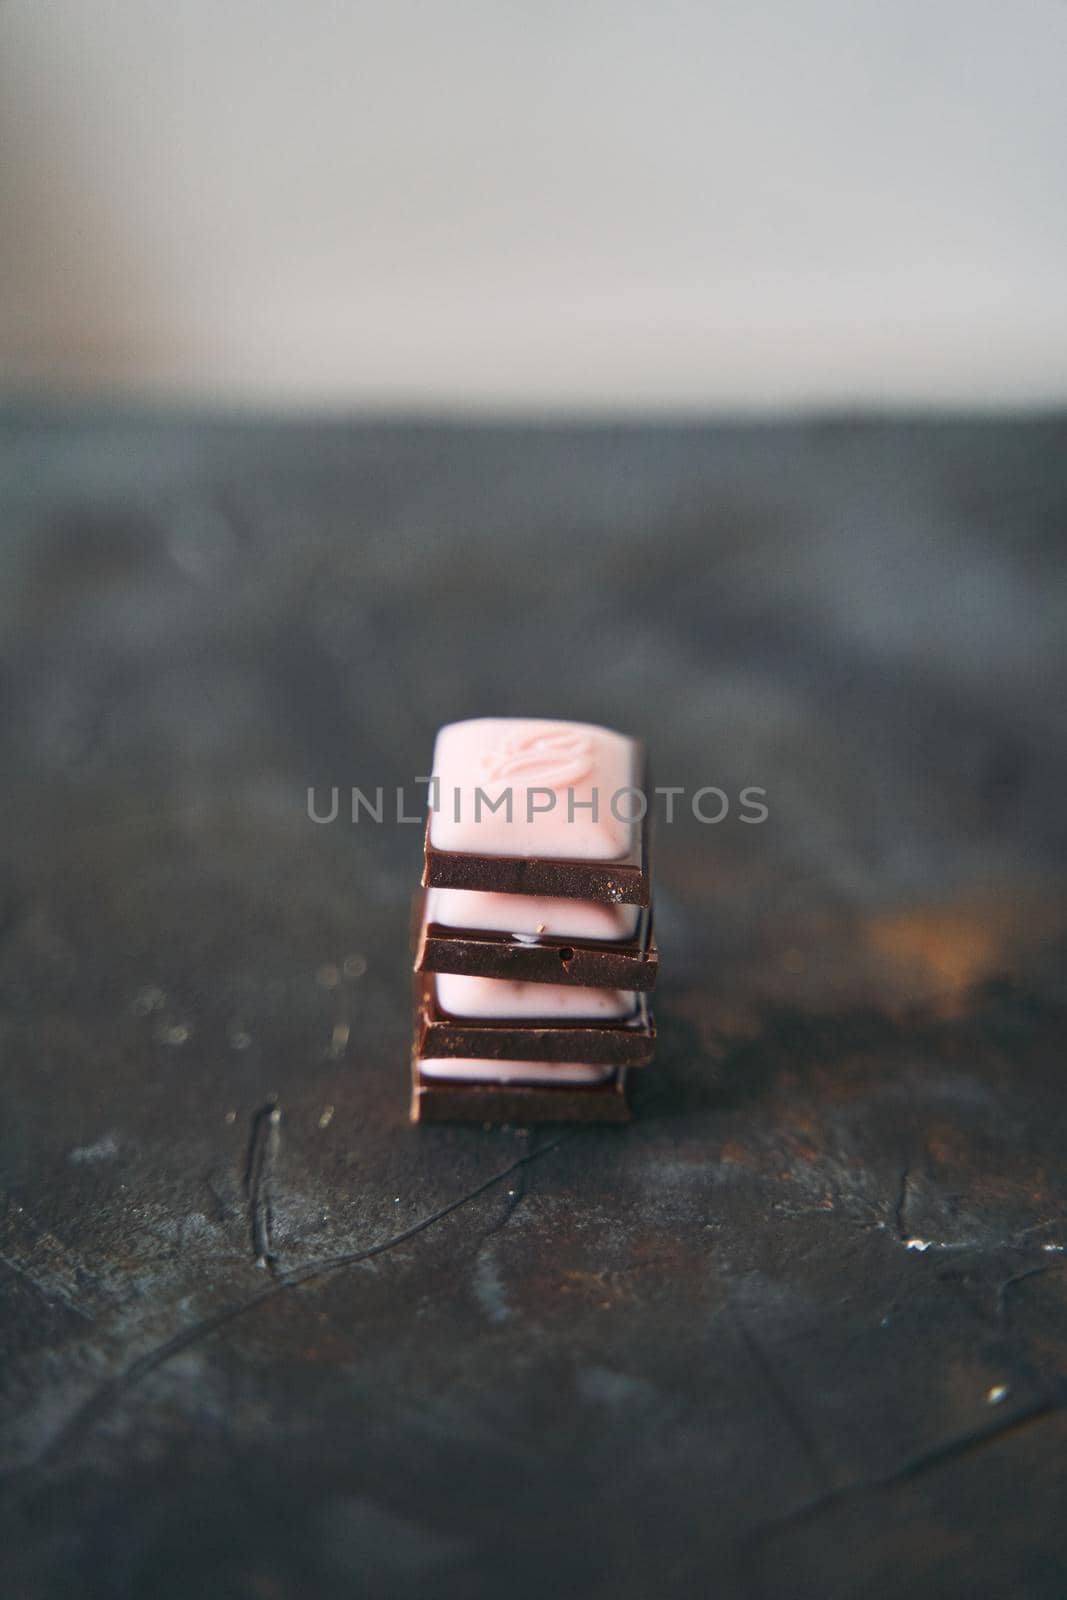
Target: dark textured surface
<point x="798" y="1330"/>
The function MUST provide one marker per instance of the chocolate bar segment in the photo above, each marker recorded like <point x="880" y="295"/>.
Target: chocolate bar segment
<point x="533" y="916"/>
<point x="617" y="883"/>
<point x="486" y="953"/>
<point x="608" y="1040"/>
<point x="521" y="806"/>
<point x="435" y="1099"/>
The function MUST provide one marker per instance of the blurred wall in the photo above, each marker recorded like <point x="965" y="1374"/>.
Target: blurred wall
<point x="561" y="203"/>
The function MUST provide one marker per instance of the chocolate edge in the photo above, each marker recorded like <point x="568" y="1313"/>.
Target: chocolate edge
<point x="441" y="1100"/>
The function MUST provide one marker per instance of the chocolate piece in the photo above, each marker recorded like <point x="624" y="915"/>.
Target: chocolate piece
<point x="551" y="845"/>
<point x="443" y="1100"/>
<point x="512" y="759"/>
<point x="625" y="1042"/>
<point x="617" y="882"/>
<point x="618" y="964"/>
<point x="532" y="916"/>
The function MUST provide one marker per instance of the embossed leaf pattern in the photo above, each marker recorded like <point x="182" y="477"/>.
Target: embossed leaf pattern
<point x="549" y="756"/>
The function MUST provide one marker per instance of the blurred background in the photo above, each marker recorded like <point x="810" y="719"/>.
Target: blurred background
<point x="563" y="206"/>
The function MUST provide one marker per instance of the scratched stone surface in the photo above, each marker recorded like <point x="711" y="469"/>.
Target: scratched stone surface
<point x="801" y="1329"/>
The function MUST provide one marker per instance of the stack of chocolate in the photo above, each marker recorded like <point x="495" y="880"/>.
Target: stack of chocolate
<point x="534" y="951"/>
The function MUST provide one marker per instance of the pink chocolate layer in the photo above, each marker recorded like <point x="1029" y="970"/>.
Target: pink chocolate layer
<point x="530" y="916"/>
<point x="570" y="764"/>
<point x="462" y="996"/>
<point x="473" y="1070"/>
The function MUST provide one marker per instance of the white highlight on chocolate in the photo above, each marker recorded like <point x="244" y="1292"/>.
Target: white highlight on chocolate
<point x="470" y="1069"/>
<point x="463" y="996"/>
<point x="529" y="917"/>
